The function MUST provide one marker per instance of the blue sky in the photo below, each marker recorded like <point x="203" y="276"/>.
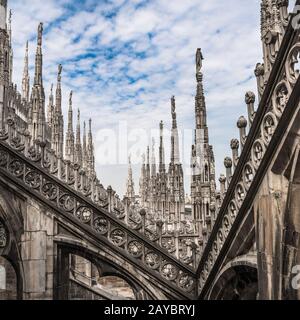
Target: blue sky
<point x="124" y="59"/>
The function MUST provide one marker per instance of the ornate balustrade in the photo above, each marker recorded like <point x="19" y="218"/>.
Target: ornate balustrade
<point x="63" y="187"/>
<point x="278" y="101"/>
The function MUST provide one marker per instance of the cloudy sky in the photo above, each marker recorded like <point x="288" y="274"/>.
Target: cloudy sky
<point x="124" y="59"/>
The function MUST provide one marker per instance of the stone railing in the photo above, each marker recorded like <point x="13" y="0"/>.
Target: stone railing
<point x="257" y="147"/>
<point x="63" y="187"/>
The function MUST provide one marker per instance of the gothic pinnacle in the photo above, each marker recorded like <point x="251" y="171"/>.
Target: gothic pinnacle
<point x="58" y="90"/>
<point x="3" y="14"/>
<point x="70" y="114"/>
<point x="78" y="147"/>
<point x="90" y="126"/>
<point x="70" y="100"/>
<point x="38" y="58"/>
<point x="26" y="78"/>
<point x="174" y="137"/>
<point x="9" y="26"/>
<point x="161" y="148"/>
<point x="78" y="128"/>
<point x="148" y="155"/>
<point x="173" y="110"/>
<point x="153" y="166"/>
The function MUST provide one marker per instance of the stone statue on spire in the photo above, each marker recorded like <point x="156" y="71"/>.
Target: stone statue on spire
<point x="199" y="58"/>
<point x="70" y="98"/>
<point x="59" y="69"/>
<point x="173" y="105"/>
<point x="161" y="126"/>
<point x="40" y="33"/>
<point x="173" y="112"/>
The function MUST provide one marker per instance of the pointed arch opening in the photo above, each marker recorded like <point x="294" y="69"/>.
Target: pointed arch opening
<point x="8" y="280"/>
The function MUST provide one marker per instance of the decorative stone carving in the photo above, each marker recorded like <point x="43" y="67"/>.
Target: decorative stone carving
<point x="151" y="235"/>
<point x="215" y="247"/>
<point x="228" y="163"/>
<point x="220" y="237"/>
<point x="3" y="135"/>
<point x="169" y="271"/>
<point x="168" y="243"/>
<point x="51" y="190"/>
<point x="242" y="122"/>
<point x="33" y="179"/>
<point x="152" y="260"/>
<point x="240" y="194"/>
<point x="234" y="144"/>
<point x="292" y="65"/>
<point x="84" y="213"/>
<point x="232" y="210"/>
<point x="3" y="158"/>
<point x="249" y="97"/>
<point x="185" y="282"/>
<point x="67" y="202"/>
<point x="33" y="154"/>
<point x="118" y="237"/>
<point x="268" y="127"/>
<point x="248" y="175"/>
<point x="101" y="225"/>
<point x="226" y="224"/>
<point x="281" y="97"/>
<point x="17" y="144"/>
<point x="16" y="167"/>
<point x="258" y="151"/>
<point x="135" y="248"/>
<point x="3" y="236"/>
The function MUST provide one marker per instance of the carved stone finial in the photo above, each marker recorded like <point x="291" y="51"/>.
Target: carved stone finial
<point x="222" y="178"/>
<point x="242" y="122"/>
<point x="234" y="144"/>
<point x="259" y="70"/>
<point x="227" y="162"/>
<point x="249" y="97"/>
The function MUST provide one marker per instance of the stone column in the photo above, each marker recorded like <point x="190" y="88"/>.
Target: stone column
<point x="37" y="250"/>
<point x="268" y="210"/>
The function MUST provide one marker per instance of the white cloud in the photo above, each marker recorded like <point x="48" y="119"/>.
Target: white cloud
<point x="104" y="46"/>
